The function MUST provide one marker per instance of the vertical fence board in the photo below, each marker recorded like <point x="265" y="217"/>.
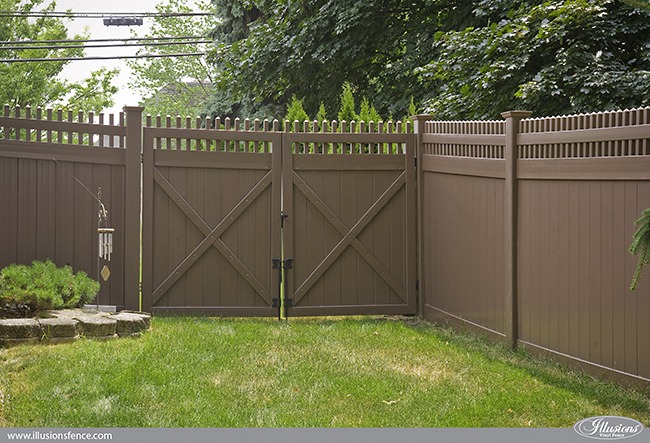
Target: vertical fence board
<point x="9" y="213"/>
<point x="27" y="209"/>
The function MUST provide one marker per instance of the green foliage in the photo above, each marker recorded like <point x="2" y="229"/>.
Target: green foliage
<point x="38" y="83"/>
<point x="295" y="112"/>
<point x="455" y="59"/>
<point x="276" y="49"/>
<point x="641" y="246"/>
<point x="557" y="57"/>
<point x="25" y="290"/>
<point x="322" y="113"/>
<point x="367" y="112"/>
<point x="347" y="112"/>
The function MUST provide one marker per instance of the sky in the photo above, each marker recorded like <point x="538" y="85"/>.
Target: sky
<point x="79" y="70"/>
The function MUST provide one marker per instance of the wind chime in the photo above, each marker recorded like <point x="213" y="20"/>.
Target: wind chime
<point x="105" y="235"/>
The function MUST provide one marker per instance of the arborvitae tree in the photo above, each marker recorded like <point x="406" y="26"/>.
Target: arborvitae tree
<point x="368" y="113"/>
<point x="322" y="114"/>
<point x="295" y="111"/>
<point x="347" y="111"/>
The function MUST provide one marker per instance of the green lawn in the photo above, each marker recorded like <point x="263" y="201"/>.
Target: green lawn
<point x="354" y="372"/>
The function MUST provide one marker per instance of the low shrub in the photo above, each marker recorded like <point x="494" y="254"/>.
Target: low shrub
<point x="25" y="290"/>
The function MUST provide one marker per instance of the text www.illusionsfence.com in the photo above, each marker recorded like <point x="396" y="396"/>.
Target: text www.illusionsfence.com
<point x="54" y="435"/>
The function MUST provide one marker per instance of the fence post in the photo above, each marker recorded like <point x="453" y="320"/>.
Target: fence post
<point x="132" y="207"/>
<point x="418" y="130"/>
<point x="511" y="155"/>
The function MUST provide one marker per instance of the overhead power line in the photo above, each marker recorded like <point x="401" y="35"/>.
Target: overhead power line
<point x="70" y="59"/>
<point x="123" y="45"/>
<point x="62" y="14"/>
<point x="101" y="40"/>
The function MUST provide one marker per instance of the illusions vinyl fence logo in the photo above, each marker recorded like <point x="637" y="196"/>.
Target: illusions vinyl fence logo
<point x="608" y="428"/>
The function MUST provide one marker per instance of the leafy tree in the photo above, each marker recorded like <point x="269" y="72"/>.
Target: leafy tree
<point x="277" y="49"/>
<point x="176" y="85"/>
<point x="558" y="57"/>
<point x="457" y="59"/>
<point x="38" y="83"/>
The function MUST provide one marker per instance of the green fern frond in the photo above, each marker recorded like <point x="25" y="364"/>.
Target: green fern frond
<point x="641" y="246"/>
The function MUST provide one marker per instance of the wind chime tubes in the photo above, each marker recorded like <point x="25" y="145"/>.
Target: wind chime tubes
<point x="105" y="243"/>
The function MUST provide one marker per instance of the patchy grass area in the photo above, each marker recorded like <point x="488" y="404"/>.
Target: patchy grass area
<point x="353" y="372"/>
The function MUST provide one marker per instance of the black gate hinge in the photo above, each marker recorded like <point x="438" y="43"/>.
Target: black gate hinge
<point x="288" y="263"/>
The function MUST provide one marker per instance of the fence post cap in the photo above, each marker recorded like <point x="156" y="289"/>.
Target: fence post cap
<point x="516" y="114"/>
<point x="133" y="108"/>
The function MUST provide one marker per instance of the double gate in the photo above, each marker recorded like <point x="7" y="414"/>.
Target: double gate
<point x="255" y="223"/>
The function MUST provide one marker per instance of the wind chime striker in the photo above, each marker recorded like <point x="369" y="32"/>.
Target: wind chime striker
<point x="105" y="234"/>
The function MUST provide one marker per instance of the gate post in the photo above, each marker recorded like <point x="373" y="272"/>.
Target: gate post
<point x="132" y="207"/>
<point x="511" y="230"/>
<point x="419" y="130"/>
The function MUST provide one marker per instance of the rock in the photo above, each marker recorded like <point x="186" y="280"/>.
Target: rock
<point x="58" y="328"/>
<point x="19" y="328"/>
<point x="145" y="317"/>
<point x="129" y="324"/>
<point x="96" y="326"/>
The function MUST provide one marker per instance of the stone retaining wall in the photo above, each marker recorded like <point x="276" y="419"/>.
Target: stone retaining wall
<point x="70" y="324"/>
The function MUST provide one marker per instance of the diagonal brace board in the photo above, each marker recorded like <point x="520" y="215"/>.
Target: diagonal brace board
<point x="350" y="236"/>
<point x="212" y="236"/>
<point x="363" y="251"/>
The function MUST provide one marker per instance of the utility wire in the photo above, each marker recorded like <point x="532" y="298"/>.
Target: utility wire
<point x="124" y="45"/>
<point x="60" y="14"/>
<point x="70" y="59"/>
<point x="100" y="40"/>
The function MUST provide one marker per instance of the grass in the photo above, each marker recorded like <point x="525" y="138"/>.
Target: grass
<point x="353" y="372"/>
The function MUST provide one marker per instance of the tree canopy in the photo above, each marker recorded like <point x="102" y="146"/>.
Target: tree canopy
<point x="456" y="59"/>
<point x="38" y="83"/>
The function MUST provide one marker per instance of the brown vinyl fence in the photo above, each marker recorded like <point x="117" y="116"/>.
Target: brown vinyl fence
<point x="524" y="224"/>
<point x="51" y="166"/>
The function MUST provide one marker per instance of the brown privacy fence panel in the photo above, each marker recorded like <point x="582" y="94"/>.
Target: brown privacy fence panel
<point x="526" y="226"/>
<point x="462" y="210"/>
<point x="47" y="160"/>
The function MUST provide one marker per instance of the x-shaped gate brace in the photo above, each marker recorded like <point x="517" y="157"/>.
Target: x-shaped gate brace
<point x="212" y="236"/>
<point x="349" y="236"/>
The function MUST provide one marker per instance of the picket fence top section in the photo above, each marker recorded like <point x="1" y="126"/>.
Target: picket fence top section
<point x="600" y="134"/>
<point x="266" y="125"/>
<point x="624" y="133"/>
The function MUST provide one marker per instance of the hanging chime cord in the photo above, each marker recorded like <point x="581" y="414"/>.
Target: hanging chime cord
<point x="80" y="182"/>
